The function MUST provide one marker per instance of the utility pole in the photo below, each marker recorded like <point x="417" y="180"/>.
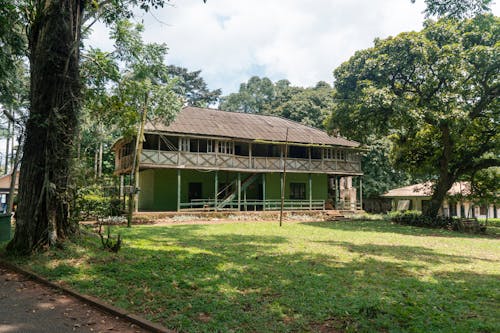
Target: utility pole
<point x="283" y="185"/>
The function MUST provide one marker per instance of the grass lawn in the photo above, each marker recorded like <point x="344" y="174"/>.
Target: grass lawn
<point x="318" y="277"/>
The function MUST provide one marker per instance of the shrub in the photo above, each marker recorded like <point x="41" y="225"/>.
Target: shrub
<point x="416" y="219"/>
<point x="97" y="206"/>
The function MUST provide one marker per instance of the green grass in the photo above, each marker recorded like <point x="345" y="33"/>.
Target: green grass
<point x="256" y="277"/>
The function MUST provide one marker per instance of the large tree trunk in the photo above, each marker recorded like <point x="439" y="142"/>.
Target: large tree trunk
<point x="43" y="209"/>
<point x="446" y="177"/>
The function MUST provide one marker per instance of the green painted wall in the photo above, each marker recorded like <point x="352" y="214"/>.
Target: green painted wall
<point x="319" y="185"/>
<point x="159" y="186"/>
<point x="147" y="186"/>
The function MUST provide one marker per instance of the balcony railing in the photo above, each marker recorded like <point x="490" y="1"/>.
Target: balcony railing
<point x="249" y="205"/>
<point x="180" y="159"/>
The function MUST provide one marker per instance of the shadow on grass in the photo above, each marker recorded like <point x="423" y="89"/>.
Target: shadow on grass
<point x="390" y="227"/>
<point x="201" y="282"/>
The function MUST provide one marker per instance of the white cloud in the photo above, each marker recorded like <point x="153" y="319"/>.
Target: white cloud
<point x="303" y="41"/>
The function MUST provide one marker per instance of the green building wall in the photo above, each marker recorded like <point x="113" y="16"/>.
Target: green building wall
<point x="158" y="187"/>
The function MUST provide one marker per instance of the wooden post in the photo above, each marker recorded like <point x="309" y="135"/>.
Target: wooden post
<point x="310" y="192"/>
<point x="239" y="191"/>
<point x="283" y="182"/>
<point x="361" y="192"/>
<point x="250" y="155"/>
<point x="263" y="191"/>
<point x="216" y="188"/>
<point x="134" y="173"/>
<point x="179" y="184"/>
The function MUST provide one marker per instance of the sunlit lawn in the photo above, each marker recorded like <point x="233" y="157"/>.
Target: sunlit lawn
<point x="258" y="277"/>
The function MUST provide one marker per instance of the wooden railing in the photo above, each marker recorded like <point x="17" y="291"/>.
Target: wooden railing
<point x="176" y="159"/>
<point x="250" y="205"/>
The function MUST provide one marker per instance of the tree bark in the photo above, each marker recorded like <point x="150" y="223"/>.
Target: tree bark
<point x="43" y="208"/>
<point x="6" y="167"/>
<point x="446" y="177"/>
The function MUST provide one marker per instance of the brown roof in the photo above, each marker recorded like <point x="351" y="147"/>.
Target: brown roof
<point x="5" y="182"/>
<point x="425" y="190"/>
<point x="211" y="122"/>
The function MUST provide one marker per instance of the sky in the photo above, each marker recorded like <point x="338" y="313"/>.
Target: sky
<point x="302" y="41"/>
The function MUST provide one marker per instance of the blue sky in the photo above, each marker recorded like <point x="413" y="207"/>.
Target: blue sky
<point x="302" y="41"/>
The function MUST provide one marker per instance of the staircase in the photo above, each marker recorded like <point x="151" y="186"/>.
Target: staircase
<point x="244" y="184"/>
<point x="334" y="215"/>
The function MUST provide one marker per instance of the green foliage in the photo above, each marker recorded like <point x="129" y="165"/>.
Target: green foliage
<point x="309" y="106"/>
<point x="13" y="45"/>
<point x="486" y="186"/>
<point x="192" y="87"/>
<point x="252" y="97"/>
<point x="91" y="202"/>
<point x="417" y="219"/>
<point x="433" y="93"/>
<point x="456" y="8"/>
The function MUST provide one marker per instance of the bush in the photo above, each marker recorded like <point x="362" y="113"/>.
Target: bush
<point x="416" y="219"/>
<point x="97" y="206"/>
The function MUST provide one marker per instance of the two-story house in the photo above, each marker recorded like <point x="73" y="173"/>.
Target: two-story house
<point x="209" y="159"/>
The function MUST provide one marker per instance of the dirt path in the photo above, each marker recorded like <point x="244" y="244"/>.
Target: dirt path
<point x="28" y="307"/>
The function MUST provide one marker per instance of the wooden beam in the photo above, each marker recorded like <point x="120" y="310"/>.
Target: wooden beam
<point x="239" y="191"/>
<point x="263" y="191"/>
<point x="310" y="191"/>
<point x="216" y="188"/>
<point x="179" y="189"/>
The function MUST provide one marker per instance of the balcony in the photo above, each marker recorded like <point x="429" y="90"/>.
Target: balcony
<point x="229" y="162"/>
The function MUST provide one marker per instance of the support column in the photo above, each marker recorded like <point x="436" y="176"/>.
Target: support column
<point x="216" y="189"/>
<point x="263" y="191"/>
<point x="239" y="191"/>
<point x="282" y="185"/>
<point x="337" y="190"/>
<point x="310" y="192"/>
<point x="178" y="190"/>
<point x="361" y="192"/>
<point x="122" y="190"/>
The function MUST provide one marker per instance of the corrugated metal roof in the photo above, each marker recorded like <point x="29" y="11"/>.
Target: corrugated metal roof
<point x="212" y="122"/>
<point x="425" y="190"/>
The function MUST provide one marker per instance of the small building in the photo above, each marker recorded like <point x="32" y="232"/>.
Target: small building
<point x="208" y="159"/>
<point x="5" y="190"/>
<point x="456" y="203"/>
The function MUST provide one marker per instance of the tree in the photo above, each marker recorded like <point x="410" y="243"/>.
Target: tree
<point x="308" y="106"/>
<point x="192" y="87"/>
<point x="252" y="97"/>
<point x="434" y="93"/>
<point x="54" y="35"/>
<point x="456" y="8"/>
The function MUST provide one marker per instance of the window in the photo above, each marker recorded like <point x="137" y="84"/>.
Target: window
<point x="297" y="191"/>
<point x="329" y="153"/>
<point x="184" y="144"/>
<point x="453" y="208"/>
<point x="404" y="205"/>
<point x="226" y="147"/>
<point x="483" y="210"/>
<point x="194" y="191"/>
<point x="341" y="155"/>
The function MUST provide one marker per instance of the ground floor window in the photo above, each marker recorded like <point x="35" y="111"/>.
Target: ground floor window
<point x="453" y="208"/>
<point x="483" y="210"/>
<point x="297" y="191"/>
<point x="194" y="191"/>
<point x="404" y="205"/>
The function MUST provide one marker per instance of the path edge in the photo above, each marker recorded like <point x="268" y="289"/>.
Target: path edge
<point x="94" y="301"/>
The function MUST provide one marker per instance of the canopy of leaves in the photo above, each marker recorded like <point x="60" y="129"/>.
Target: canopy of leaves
<point x="309" y="106"/>
<point x="192" y="87"/>
<point x="456" y="8"/>
<point x="434" y="93"/>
